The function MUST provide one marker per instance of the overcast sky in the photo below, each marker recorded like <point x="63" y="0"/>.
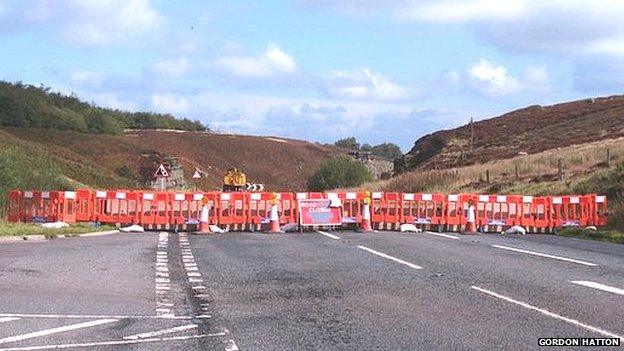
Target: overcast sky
<point x="389" y="70"/>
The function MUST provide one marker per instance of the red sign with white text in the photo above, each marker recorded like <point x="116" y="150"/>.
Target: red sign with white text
<point x="319" y="212"/>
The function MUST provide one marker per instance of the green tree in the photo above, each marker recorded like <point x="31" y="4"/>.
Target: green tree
<point x="387" y="150"/>
<point x="348" y="143"/>
<point x="366" y="147"/>
<point x="339" y="172"/>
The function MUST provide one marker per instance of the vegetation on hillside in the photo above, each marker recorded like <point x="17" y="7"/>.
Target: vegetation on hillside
<point x="25" y="229"/>
<point x="339" y="172"/>
<point x="387" y="150"/>
<point x="21" y="170"/>
<point x="529" y="130"/>
<point x="40" y="107"/>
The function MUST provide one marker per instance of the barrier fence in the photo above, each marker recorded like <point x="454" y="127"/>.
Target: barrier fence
<point x="251" y="211"/>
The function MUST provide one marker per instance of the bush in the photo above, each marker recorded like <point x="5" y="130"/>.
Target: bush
<point x="339" y="172"/>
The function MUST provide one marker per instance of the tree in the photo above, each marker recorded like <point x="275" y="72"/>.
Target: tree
<point x="348" y="143"/>
<point x="366" y="147"/>
<point x="339" y="172"/>
<point x="387" y="150"/>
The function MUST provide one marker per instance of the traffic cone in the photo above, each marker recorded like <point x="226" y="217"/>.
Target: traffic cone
<point x="204" y="225"/>
<point x="365" y="226"/>
<point x="274" y="220"/>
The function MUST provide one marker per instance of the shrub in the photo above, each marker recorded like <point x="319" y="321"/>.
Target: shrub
<point x="339" y="172"/>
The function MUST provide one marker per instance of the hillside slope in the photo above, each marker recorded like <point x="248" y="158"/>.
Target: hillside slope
<point x="107" y="160"/>
<point x="532" y="130"/>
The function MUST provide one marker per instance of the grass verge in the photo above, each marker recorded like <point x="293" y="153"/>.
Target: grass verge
<point x="24" y="229"/>
<point x="612" y="236"/>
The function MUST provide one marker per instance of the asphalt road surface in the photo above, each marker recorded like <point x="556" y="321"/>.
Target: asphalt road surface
<point x="312" y="291"/>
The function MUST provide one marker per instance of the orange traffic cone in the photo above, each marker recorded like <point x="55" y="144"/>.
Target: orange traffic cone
<point x="204" y="225"/>
<point x="365" y="226"/>
<point x="274" y="220"/>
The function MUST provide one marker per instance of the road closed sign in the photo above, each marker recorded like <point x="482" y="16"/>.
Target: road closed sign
<point x="319" y="212"/>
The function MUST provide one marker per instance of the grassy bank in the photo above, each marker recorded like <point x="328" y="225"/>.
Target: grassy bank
<point x="612" y="236"/>
<point x="24" y="229"/>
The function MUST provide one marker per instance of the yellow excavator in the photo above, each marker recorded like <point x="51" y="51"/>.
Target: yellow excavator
<point x="234" y="180"/>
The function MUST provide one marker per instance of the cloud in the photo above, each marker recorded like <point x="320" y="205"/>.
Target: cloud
<point x="86" y="77"/>
<point x="89" y="22"/>
<point x="366" y="85"/>
<point x="173" y="67"/>
<point x="494" y="81"/>
<point x="463" y="11"/>
<point x="272" y="62"/>
<point x="170" y="103"/>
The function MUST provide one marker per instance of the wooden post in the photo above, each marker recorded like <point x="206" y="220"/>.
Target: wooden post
<point x="517" y="172"/>
<point x="559" y="169"/>
<point x="608" y="158"/>
<point x="487" y="176"/>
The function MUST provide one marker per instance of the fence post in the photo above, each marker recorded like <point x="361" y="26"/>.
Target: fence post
<point x="517" y="172"/>
<point x="559" y="169"/>
<point x="608" y="157"/>
<point x="487" y="176"/>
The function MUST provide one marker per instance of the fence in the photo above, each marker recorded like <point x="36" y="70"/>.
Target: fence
<point x="250" y="211"/>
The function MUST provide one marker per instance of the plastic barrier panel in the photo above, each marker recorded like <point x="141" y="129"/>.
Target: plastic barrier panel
<point x="14" y="206"/>
<point x="231" y="209"/>
<point x="600" y="211"/>
<point x="352" y="203"/>
<point x="423" y="209"/>
<point x="85" y="202"/>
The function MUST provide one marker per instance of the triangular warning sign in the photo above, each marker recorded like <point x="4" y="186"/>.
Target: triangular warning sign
<point x="161" y="172"/>
<point x="196" y="175"/>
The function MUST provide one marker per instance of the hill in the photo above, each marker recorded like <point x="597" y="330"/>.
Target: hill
<point x="40" y="158"/>
<point x="530" y="130"/>
<point x="40" y="107"/>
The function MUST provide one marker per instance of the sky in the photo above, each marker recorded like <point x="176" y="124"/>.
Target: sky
<point x="382" y="71"/>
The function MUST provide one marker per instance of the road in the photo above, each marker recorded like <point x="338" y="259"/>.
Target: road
<point x="312" y="291"/>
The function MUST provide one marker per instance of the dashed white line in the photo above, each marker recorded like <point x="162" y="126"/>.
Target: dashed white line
<point x="598" y="286"/>
<point x="398" y="260"/>
<point x="585" y="263"/>
<point x="56" y="330"/>
<point x="549" y="314"/>
<point x="161" y="332"/>
<point x="335" y="237"/>
<point x="443" y="235"/>
<point x="110" y="343"/>
<point x="8" y="319"/>
<point x="193" y="274"/>
<point x="88" y="316"/>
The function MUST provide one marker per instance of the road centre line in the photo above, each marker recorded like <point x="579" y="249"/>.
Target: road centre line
<point x="56" y="330"/>
<point x="335" y="237"/>
<point x="161" y="332"/>
<point x="598" y="286"/>
<point x="549" y="314"/>
<point x="110" y="343"/>
<point x="381" y="254"/>
<point x="443" y="235"/>
<point x="585" y="263"/>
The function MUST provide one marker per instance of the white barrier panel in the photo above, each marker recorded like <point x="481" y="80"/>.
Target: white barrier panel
<point x="453" y="198"/>
<point x="427" y="197"/>
<point x="501" y="198"/>
<point x="148" y="196"/>
<point x="600" y="199"/>
<point x="377" y="195"/>
<point x="574" y="200"/>
<point x="351" y="196"/>
<point x="45" y="194"/>
<point x="527" y="199"/>
<point x="556" y="200"/>
<point x="302" y="196"/>
<point x="179" y="197"/>
<point x="70" y="195"/>
<point x="120" y="196"/>
<point x="197" y="197"/>
<point x="225" y="196"/>
<point x="100" y="194"/>
<point x="408" y="197"/>
<point x="484" y="198"/>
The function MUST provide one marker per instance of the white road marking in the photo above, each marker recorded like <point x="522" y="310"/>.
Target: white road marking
<point x="56" y="330"/>
<point x="193" y="274"/>
<point x="549" y="314"/>
<point x="231" y="346"/>
<point x="199" y="287"/>
<point x="335" y="237"/>
<point x="598" y="286"/>
<point x="202" y="295"/>
<point x="166" y="304"/>
<point x="163" y="280"/>
<point x="443" y="235"/>
<point x="545" y="255"/>
<point x="195" y="280"/>
<point x="110" y="343"/>
<point x="161" y="332"/>
<point x="8" y="319"/>
<point x="74" y="316"/>
<point x="191" y="268"/>
<point x="398" y="260"/>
